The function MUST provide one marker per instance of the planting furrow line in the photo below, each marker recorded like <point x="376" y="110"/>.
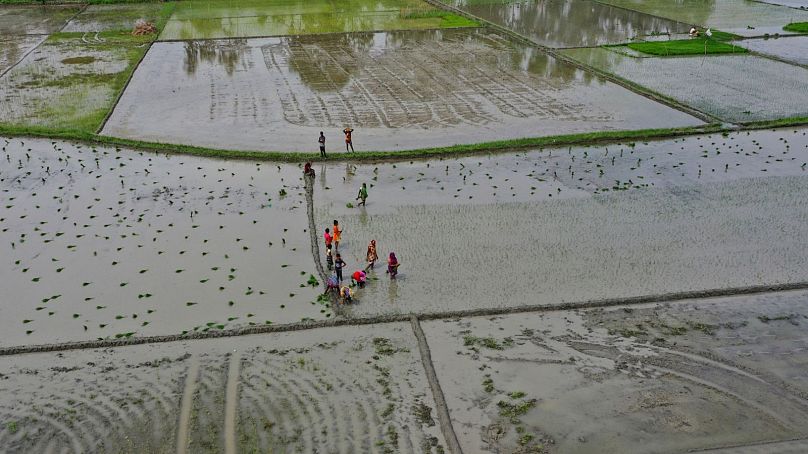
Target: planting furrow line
<point x="315" y="244"/>
<point x="437" y="393"/>
<point x="393" y="318"/>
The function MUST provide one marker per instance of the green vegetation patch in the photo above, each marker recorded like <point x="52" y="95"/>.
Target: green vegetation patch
<point x="693" y="46"/>
<point x="448" y="19"/>
<point x="797" y="27"/>
<point x="71" y="81"/>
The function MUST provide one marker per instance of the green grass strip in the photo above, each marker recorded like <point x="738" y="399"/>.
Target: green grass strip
<point x="448" y="19"/>
<point x="455" y="150"/>
<point x="797" y="27"/>
<point x="694" y="46"/>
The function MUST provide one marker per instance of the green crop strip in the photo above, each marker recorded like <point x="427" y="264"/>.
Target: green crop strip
<point x="797" y="27"/>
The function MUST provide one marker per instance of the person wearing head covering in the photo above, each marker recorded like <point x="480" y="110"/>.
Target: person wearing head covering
<point x="371" y="255"/>
<point x="346" y="294"/>
<point x="392" y="265"/>
<point x="359" y="278"/>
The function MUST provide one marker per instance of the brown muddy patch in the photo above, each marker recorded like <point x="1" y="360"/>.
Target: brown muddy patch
<point x="78" y="60"/>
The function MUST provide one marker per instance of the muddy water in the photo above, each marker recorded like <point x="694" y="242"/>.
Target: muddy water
<point x="727" y="87"/>
<point x="744" y="17"/>
<point x="63" y="83"/>
<point x="34" y="20"/>
<point x="224" y="19"/>
<point x="560" y="23"/>
<point x="14" y="48"/>
<point x="329" y="390"/>
<point x="399" y="90"/>
<point x="793" y="49"/>
<point x="104" y="243"/>
<point x="96" y="18"/>
<point x="598" y="383"/>
<point x="547" y="227"/>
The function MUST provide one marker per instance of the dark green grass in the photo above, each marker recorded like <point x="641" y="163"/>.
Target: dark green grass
<point x="797" y="27"/>
<point x="694" y="46"/>
<point x="448" y="19"/>
<point x="280" y="156"/>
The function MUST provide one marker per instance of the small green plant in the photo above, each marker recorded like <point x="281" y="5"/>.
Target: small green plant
<point x="488" y="385"/>
<point x="11" y="426"/>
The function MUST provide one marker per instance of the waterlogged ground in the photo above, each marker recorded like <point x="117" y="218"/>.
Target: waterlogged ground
<point x="568" y="23"/>
<point x="69" y="81"/>
<point x="13" y="49"/>
<point x="105" y="243"/>
<point x="329" y="390"/>
<point x="597" y="222"/>
<point x="792" y="49"/>
<point x="658" y="378"/>
<point x="399" y="90"/>
<point x="97" y="18"/>
<point x="742" y="17"/>
<point x="725" y="86"/>
<point x="205" y="19"/>
<point x="35" y="20"/>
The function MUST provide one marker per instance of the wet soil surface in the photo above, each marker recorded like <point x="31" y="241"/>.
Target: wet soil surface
<point x="35" y="20"/>
<point x="792" y="49"/>
<point x="568" y="23"/>
<point x="102" y="242"/>
<point x="726" y="87"/>
<point x="328" y="390"/>
<point x="13" y="49"/>
<point x="398" y="90"/>
<point x="599" y="222"/>
<point x="742" y="17"/>
<point x="96" y="18"/>
<point x="658" y="378"/>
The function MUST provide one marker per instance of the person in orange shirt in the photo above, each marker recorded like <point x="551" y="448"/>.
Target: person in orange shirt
<point x="348" y="141"/>
<point x="337" y="234"/>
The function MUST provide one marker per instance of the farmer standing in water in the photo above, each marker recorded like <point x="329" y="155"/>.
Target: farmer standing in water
<point x="348" y="141"/>
<point x="321" y="141"/>
<point x="363" y="194"/>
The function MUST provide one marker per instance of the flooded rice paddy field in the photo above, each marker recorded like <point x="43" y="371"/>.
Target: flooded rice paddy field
<point x="792" y="49"/>
<point x="35" y="20"/>
<point x="206" y="19"/>
<point x="13" y="48"/>
<point x="570" y="23"/>
<point x="659" y="378"/>
<point x="329" y="390"/>
<point x="399" y="90"/>
<point x="99" y="18"/>
<point x="102" y="243"/>
<point x="799" y="4"/>
<point x="741" y="17"/>
<point x="696" y="213"/>
<point x="727" y="87"/>
<point x="69" y="81"/>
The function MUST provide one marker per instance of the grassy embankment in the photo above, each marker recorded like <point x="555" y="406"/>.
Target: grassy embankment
<point x="797" y="27"/>
<point x="715" y="44"/>
<point x="447" y="19"/>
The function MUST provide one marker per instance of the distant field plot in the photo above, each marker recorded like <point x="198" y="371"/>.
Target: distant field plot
<point x="34" y="20"/>
<point x="14" y="47"/>
<point x="97" y="18"/>
<point x="725" y="86"/>
<point x="398" y="90"/>
<point x="200" y="19"/>
<point x="742" y="17"/>
<point x="70" y="81"/>
<point x="792" y="49"/>
<point x="568" y="23"/>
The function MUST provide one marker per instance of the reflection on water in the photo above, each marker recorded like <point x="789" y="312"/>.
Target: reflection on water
<point x="22" y="20"/>
<point x="227" y="54"/>
<point x="569" y="23"/>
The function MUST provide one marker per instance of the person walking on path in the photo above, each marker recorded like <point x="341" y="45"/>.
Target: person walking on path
<point x="337" y="235"/>
<point x="338" y="265"/>
<point x="321" y="141"/>
<point x="363" y="194"/>
<point x="392" y="265"/>
<point x="329" y="258"/>
<point x="371" y="255"/>
<point x="348" y="140"/>
<point x="328" y="238"/>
